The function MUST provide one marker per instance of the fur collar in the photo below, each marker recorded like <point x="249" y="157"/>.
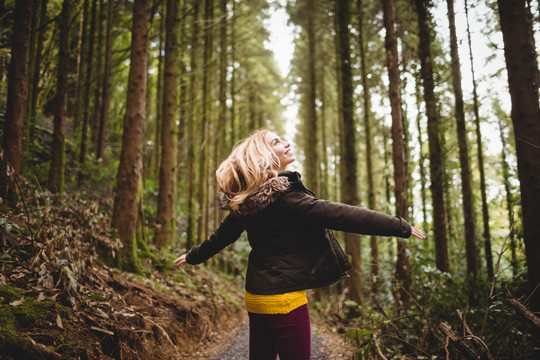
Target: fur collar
<point x="261" y="198"/>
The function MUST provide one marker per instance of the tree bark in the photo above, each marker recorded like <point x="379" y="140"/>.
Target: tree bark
<point x="348" y="161"/>
<point x="312" y="150"/>
<point x="166" y="204"/>
<point x="128" y="190"/>
<point x="202" y="195"/>
<point x="105" y="91"/>
<point x="435" y="154"/>
<point x="87" y="85"/>
<point x="374" y="241"/>
<point x="466" y="182"/>
<point x="191" y="127"/>
<point x="98" y="88"/>
<point x="16" y="96"/>
<point x="403" y="268"/>
<point x="56" y="172"/>
<point x="480" y="155"/>
<point x="38" y="57"/>
<point x="522" y="70"/>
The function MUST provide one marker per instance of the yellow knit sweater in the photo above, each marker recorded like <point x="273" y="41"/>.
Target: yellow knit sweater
<point x="275" y="304"/>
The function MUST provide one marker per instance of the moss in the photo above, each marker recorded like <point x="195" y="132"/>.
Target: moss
<point x="9" y="294"/>
<point x="29" y="312"/>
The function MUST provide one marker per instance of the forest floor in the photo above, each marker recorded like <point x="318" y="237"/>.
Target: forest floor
<point x="58" y="300"/>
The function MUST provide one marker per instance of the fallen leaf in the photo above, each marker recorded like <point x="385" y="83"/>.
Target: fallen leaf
<point x="59" y="321"/>
<point x="17" y="302"/>
<point x="101" y="330"/>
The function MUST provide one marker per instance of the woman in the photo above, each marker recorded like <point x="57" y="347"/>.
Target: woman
<point x="293" y="248"/>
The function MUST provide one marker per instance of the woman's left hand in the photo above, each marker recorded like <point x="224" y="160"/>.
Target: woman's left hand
<point x="417" y="233"/>
<point x="181" y="260"/>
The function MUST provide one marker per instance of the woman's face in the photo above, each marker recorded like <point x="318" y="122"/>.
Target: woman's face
<point x="282" y="149"/>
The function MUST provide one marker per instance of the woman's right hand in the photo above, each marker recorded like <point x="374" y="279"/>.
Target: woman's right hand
<point x="181" y="259"/>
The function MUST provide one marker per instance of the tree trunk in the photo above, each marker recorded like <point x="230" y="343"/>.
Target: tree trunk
<point x="466" y="182"/>
<point x="311" y="141"/>
<point x="56" y="172"/>
<point x="221" y="146"/>
<point x="96" y="109"/>
<point x="435" y="154"/>
<point x="87" y="85"/>
<point x="38" y="57"/>
<point x="16" y="97"/>
<point x="348" y="161"/>
<point x="232" y="88"/>
<point x="421" y="159"/>
<point x="156" y="158"/>
<point x="374" y="241"/>
<point x="129" y="185"/>
<point x="399" y="160"/>
<point x="191" y="127"/>
<point x="166" y="204"/>
<point x="522" y="70"/>
<point x="508" y="190"/>
<point x="105" y="91"/>
<point x="485" y="213"/>
<point x="202" y="195"/>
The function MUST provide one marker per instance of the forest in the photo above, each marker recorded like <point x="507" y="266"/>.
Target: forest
<point x="116" y="114"/>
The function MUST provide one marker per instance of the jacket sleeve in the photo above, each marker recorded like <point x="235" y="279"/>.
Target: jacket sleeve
<point x="228" y="232"/>
<point x="343" y="217"/>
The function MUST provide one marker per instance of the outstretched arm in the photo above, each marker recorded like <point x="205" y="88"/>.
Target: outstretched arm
<point x="227" y="233"/>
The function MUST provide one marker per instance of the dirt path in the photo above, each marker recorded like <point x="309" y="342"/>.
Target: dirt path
<point x="325" y="345"/>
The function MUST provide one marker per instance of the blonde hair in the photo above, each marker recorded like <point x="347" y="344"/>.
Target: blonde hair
<point x="251" y="163"/>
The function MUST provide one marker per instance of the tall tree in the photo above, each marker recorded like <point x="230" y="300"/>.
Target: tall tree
<point x="100" y="44"/>
<point x="16" y="96"/>
<point x="204" y="179"/>
<point x="312" y="149"/>
<point x="166" y="204"/>
<point x="38" y="57"/>
<point x="128" y="188"/>
<point x="192" y="115"/>
<point x="507" y="185"/>
<point x="374" y="241"/>
<point x="348" y="157"/>
<point x="435" y="153"/>
<point x="522" y="67"/>
<point x="480" y="155"/>
<point x="398" y="147"/>
<point x="105" y="91"/>
<point x="466" y="182"/>
<point x="87" y="84"/>
<point x="56" y="172"/>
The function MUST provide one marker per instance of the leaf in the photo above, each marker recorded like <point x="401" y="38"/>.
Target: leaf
<point x="59" y="321"/>
<point x="17" y="302"/>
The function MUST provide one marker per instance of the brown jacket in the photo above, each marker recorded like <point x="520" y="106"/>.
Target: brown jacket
<point x="289" y="232"/>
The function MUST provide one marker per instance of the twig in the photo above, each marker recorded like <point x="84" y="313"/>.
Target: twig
<point x="25" y="210"/>
<point x="495" y="280"/>
<point x="460" y="344"/>
<point x="379" y="352"/>
<point x="531" y="294"/>
<point x="466" y="328"/>
<point x="525" y="312"/>
<point x="165" y="334"/>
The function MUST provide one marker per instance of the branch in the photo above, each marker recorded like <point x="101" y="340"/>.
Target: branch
<point x="460" y="344"/>
<point x="525" y="312"/>
<point x="495" y="279"/>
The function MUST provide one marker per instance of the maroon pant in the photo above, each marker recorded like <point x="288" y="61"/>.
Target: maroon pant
<point x="288" y="335"/>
